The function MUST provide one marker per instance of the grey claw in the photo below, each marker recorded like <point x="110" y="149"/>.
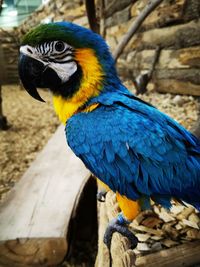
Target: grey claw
<point x="116" y="226"/>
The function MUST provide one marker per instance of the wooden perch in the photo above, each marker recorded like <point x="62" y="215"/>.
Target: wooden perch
<point x="36" y="215"/>
<point x="152" y="4"/>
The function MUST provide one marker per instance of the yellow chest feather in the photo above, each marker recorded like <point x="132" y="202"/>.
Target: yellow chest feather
<point x="90" y="86"/>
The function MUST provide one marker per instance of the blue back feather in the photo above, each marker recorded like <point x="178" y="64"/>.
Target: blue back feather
<point x="137" y="150"/>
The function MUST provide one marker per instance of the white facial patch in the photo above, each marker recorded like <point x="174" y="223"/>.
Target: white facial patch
<point x="64" y="71"/>
<point x="56" y="55"/>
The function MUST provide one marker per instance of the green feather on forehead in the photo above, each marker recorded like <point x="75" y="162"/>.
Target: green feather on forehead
<point x="44" y="33"/>
<point x="50" y="32"/>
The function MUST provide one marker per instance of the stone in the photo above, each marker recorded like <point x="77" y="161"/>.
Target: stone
<point x="178" y="100"/>
<point x="143" y="247"/>
<point x="157" y="246"/>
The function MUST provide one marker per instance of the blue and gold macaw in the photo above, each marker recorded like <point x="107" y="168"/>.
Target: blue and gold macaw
<point x="134" y="149"/>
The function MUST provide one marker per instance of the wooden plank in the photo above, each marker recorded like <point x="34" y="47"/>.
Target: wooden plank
<point x="35" y="217"/>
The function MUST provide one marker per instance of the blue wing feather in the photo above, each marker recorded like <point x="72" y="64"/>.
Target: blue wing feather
<point x="137" y="150"/>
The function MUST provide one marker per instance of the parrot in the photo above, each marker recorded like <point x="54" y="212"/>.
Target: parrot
<point x="134" y="150"/>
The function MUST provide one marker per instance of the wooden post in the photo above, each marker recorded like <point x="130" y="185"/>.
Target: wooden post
<point x="122" y="255"/>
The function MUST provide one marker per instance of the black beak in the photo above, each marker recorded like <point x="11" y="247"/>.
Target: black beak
<point x="30" y="71"/>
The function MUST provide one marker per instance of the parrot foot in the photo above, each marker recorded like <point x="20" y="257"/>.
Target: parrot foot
<point x="101" y="195"/>
<point x="120" y="225"/>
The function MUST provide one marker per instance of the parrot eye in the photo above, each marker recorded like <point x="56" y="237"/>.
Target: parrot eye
<point x="59" y="46"/>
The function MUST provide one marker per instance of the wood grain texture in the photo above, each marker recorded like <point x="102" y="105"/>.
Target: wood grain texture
<point x="183" y="255"/>
<point x="169" y="59"/>
<point x="37" y="212"/>
<point x="164" y="15"/>
<point x="175" y="86"/>
<point x="178" y="36"/>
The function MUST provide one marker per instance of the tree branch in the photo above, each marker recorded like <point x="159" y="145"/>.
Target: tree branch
<point x="152" y="4"/>
<point x="102" y="19"/>
<point x="142" y="80"/>
<point x="91" y="14"/>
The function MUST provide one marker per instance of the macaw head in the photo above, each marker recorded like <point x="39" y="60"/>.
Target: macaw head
<point x="72" y="61"/>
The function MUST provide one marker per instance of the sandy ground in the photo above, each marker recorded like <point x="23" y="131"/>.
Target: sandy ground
<point x="32" y="123"/>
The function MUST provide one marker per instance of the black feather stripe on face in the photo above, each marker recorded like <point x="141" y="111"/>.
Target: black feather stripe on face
<point x="70" y="87"/>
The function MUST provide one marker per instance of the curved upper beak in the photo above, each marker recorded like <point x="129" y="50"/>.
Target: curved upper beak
<point x="30" y="71"/>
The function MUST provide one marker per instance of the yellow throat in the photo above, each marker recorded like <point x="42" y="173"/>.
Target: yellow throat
<point x="90" y="85"/>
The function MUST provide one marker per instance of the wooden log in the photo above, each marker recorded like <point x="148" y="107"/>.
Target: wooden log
<point x="174" y="86"/>
<point x="178" y="81"/>
<point x="182" y="255"/>
<point x="179" y="36"/>
<point x="36" y="215"/>
<point x="162" y="16"/>
<point x="185" y="58"/>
